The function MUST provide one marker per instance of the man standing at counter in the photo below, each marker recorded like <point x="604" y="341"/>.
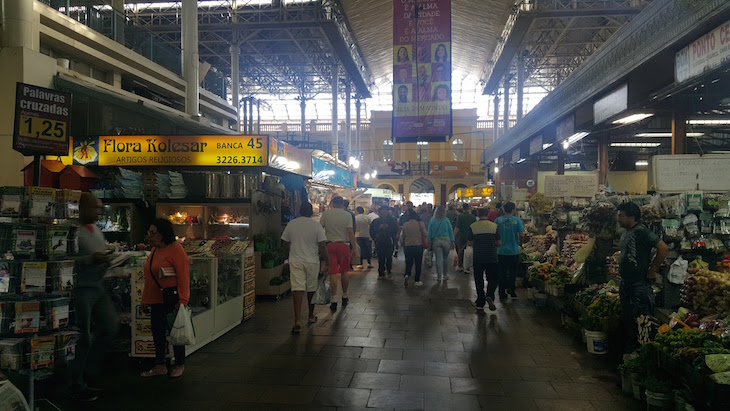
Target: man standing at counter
<point x="636" y="268"/>
<point x="340" y="234"/>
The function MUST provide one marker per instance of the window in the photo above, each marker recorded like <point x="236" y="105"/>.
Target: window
<point x="457" y="150"/>
<point x="387" y="150"/>
<point x="422" y="151"/>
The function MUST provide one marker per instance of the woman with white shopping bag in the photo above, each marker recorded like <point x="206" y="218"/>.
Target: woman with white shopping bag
<point x="441" y="240"/>
<point x="166" y="289"/>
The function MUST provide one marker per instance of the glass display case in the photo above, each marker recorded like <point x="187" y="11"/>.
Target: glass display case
<point x="230" y="282"/>
<point x="201" y="282"/>
<point x="124" y="223"/>
<point x="205" y="221"/>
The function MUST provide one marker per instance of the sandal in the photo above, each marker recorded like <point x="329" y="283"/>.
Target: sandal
<point x="155" y="372"/>
<point x="312" y="320"/>
<point x="177" y="371"/>
<point x="296" y="329"/>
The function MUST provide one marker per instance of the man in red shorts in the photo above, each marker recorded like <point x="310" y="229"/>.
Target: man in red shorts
<point x="340" y="235"/>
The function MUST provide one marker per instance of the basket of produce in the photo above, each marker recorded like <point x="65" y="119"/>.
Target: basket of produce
<point x="706" y="291"/>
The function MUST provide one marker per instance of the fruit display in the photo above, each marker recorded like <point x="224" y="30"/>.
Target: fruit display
<point x="707" y="292"/>
<point x="545" y="271"/>
<point x="571" y="245"/>
<point x="650" y="214"/>
<point x="600" y="220"/>
<point x="690" y="346"/>
<point x="612" y="264"/>
<point x="603" y="314"/>
<point x="540" y="243"/>
<point x="540" y="204"/>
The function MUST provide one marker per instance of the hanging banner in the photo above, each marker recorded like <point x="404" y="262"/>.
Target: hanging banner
<point x="707" y="53"/>
<point x="421" y="70"/>
<point x="325" y="172"/>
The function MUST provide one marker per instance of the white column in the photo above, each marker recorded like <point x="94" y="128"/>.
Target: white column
<point x="496" y="116"/>
<point x="520" y="85"/>
<point x="17" y="24"/>
<point x="236" y="84"/>
<point x="506" y="103"/>
<point x="348" y="119"/>
<point x="303" y="106"/>
<point x="191" y="59"/>
<point x="335" y="132"/>
<point x="358" y="107"/>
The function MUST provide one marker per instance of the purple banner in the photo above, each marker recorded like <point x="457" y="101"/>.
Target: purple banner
<point x="421" y="70"/>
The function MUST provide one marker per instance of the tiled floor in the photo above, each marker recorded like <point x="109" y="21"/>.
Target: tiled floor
<point x="391" y="348"/>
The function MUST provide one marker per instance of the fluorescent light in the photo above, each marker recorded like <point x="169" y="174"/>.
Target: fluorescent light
<point x="367" y="176"/>
<point x="642" y="163"/>
<point x="547" y="146"/>
<point x="665" y="134"/>
<point x="719" y="152"/>
<point x="496" y="161"/>
<point x="375" y="173"/>
<point x="521" y="160"/>
<point x="577" y="137"/>
<point x="633" y="118"/>
<point x="422" y="143"/>
<point x="708" y="122"/>
<point x="637" y="145"/>
<point x="566" y="145"/>
<point x="496" y="170"/>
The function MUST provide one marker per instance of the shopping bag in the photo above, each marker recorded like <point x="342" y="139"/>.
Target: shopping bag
<point x="323" y="295"/>
<point x="468" y="258"/>
<point x="428" y="258"/>
<point x="453" y="258"/>
<point x="183" y="332"/>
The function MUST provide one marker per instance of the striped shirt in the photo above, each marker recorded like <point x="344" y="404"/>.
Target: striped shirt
<point x="484" y="235"/>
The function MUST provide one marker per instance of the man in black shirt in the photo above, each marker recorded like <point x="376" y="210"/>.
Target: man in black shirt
<point x="484" y="237"/>
<point x="636" y="268"/>
<point x="384" y="230"/>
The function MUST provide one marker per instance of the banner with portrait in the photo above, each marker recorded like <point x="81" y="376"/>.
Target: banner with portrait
<point x="421" y="70"/>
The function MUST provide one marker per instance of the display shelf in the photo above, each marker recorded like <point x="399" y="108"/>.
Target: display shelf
<point x="128" y="219"/>
<point x="207" y="220"/>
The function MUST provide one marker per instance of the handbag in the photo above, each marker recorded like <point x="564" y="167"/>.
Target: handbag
<point x="170" y="297"/>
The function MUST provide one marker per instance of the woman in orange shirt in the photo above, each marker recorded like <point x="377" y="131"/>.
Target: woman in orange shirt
<point x="169" y="257"/>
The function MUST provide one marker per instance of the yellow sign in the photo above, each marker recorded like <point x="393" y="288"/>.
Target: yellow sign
<point x="469" y="192"/>
<point x="37" y="127"/>
<point x="487" y="191"/>
<point x="475" y="192"/>
<point x="226" y="151"/>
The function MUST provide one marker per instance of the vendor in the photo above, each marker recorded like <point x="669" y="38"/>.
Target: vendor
<point x="636" y="268"/>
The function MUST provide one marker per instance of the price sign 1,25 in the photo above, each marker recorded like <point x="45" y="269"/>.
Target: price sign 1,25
<point x="44" y="129"/>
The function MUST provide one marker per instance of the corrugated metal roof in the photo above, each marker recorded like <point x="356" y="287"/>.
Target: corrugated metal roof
<point x="475" y="28"/>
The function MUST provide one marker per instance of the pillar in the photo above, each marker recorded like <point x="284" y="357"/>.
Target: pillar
<point x="520" y="85"/>
<point x="561" y="160"/>
<point x="358" y="107"/>
<point x="236" y="83"/>
<point x="303" y="106"/>
<point x="258" y="116"/>
<point x="348" y="119"/>
<point x="118" y="21"/>
<point x="250" y="115"/>
<point x="506" y="103"/>
<point x="679" y="134"/>
<point x="496" y="117"/>
<point x="245" y="115"/>
<point x="191" y="58"/>
<point x="335" y="132"/>
<point x="603" y="142"/>
<point x="17" y="24"/>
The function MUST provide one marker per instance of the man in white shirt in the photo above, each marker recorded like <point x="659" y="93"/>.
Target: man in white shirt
<point x="362" y="233"/>
<point x="373" y="213"/>
<point x="305" y="243"/>
<point x="340" y="234"/>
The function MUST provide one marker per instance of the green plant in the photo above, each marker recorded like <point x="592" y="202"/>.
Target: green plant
<point x="634" y="365"/>
<point x="654" y="384"/>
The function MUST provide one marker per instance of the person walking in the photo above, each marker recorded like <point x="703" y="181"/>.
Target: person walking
<point x="402" y="220"/>
<point x="494" y="214"/>
<point x="166" y="267"/>
<point x="94" y="309"/>
<point x="426" y="213"/>
<point x="461" y="232"/>
<point x="636" y="268"/>
<point x="441" y="240"/>
<point x="413" y="235"/>
<point x="452" y="215"/>
<point x="306" y="245"/>
<point x="510" y="229"/>
<point x="339" y="229"/>
<point x="362" y="234"/>
<point x="484" y="237"/>
<point x="384" y="230"/>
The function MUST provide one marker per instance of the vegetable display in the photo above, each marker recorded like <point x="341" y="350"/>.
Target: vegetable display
<point x="707" y="292"/>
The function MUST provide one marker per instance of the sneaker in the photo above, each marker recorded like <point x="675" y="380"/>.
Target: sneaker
<point x="446" y="277"/>
<point x="85" y="396"/>
<point x="380" y="277"/>
<point x="438" y="278"/>
<point x="479" y="305"/>
<point x="333" y="307"/>
<point x="490" y="303"/>
<point x="418" y="283"/>
<point x="395" y="254"/>
<point x="405" y="281"/>
<point x="345" y="301"/>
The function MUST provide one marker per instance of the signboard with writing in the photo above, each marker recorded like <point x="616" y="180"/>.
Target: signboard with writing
<point x="474" y="192"/>
<point x="691" y="172"/>
<point x="42" y="120"/>
<point x="285" y="156"/>
<point x="706" y="53"/>
<point x="571" y="185"/>
<point x="448" y="168"/>
<point x="421" y="70"/>
<point x="565" y="128"/>
<point x="172" y="151"/>
<point x="325" y="172"/>
<point x="611" y="104"/>
<point x="536" y="145"/>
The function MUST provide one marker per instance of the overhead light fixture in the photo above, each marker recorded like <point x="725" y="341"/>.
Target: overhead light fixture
<point x="719" y="152"/>
<point x="708" y="122"/>
<point x="566" y="145"/>
<point x="633" y="118"/>
<point x="496" y="161"/>
<point x="636" y="145"/>
<point x="642" y="163"/>
<point x="666" y="134"/>
<point x="496" y="170"/>
<point x="547" y="146"/>
<point x="575" y="138"/>
<point x="375" y="173"/>
<point x="522" y="160"/>
<point x="367" y="176"/>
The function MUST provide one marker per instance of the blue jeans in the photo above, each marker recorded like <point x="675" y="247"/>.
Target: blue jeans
<point x="441" y="247"/>
<point x="637" y="298"/>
